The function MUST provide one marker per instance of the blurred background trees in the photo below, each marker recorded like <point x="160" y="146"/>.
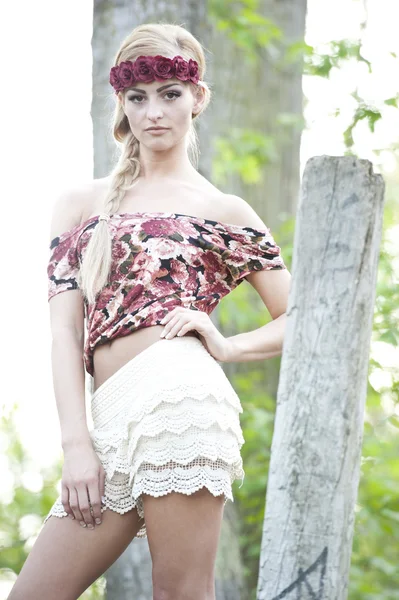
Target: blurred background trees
<point x="258" y="64"/>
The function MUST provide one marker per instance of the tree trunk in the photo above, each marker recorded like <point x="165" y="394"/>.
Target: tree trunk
<point x="316" y="449"/>
<point x="280" y="90"/>
<point x="252" y="97"/>
<point x="130" y="576"/>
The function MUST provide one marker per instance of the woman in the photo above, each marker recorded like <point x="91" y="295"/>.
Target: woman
<point x="145" y="255"/>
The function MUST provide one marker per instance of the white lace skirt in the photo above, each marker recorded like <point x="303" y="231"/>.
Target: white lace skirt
<point x="168" y="420"/>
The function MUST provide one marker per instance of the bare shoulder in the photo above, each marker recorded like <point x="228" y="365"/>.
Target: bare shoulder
<point x="74" y="204"/>
<point x="238" y="211"/>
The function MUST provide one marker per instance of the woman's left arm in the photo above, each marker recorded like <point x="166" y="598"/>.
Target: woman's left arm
<point x="264" y="342"/>
<point x="260" y="344"/>
<point x="267" y="341"/>
<point x="272" y="284"/>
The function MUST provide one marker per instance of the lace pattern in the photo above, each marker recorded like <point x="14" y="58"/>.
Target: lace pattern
<point x="168" y="420"/>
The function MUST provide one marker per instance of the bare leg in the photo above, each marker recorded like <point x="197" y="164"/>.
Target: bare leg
<point x="67" y="558"/>
<point x="183" y="533"/>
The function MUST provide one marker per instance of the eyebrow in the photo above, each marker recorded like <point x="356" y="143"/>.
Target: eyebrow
<point x="158" y="90"/>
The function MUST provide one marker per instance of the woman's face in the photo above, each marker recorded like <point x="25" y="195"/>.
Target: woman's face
<point x="168" y="104"/>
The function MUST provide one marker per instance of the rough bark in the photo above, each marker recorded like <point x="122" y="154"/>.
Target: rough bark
<point x="316" y="449"/>
<point x="281" y="92"/>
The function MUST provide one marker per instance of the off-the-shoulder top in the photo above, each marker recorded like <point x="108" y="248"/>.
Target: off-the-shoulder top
<point x="160" y="260"/>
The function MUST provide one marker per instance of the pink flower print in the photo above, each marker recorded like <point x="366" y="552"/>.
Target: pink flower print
<point x="213" y="238"/>
<point x="141" y="261"/>
<point x="163" y="248"/>
<point x="133" y="294"/>
<point x="178" y="271"/>
<point x="161" y="288"/>
<point x="158" y="227"/>
<point x="190" y="255"/>
<point x="120" y="250"/>
<point x="185" y="227"/>
<point x="104" y="298"/>
<point x="212" y="265"/>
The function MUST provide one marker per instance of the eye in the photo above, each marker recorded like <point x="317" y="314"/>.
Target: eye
<point x="174" y="95"/>
<point x="132" y="98"/>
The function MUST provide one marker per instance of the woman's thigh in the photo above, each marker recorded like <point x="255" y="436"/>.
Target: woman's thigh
<point x="183" y="534"/>
<point x="67" y="558"/>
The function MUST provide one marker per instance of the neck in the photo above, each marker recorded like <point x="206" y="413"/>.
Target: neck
<point x="173" y="163"/>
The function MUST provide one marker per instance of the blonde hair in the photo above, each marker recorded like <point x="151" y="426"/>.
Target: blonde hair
<point x="147" y="39"/>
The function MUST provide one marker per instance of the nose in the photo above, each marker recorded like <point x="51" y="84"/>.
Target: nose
<point x="154" y="110"/>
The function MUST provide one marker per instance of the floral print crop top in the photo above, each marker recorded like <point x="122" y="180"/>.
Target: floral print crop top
<point x="160" y="260"/>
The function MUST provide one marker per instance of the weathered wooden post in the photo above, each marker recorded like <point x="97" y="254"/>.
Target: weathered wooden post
<point x="318" y="431"/>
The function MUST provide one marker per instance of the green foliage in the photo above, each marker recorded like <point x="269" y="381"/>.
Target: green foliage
<point x="245" y="152"/>
<point x="374" y="571"/>
<point x="242" y="151"/>
<point x="392" y="101"/>
<point x="386" y="314"/>
<point x="363" y="112"/>
<point x="337" y="52"/>
<point x="244" y="24"/>
<point x="25" y="502"/>
<point x="298" y="51"/>
<point x="374" y="567"/>
<point x="321" y="64"/>
<point x="247" y="28"/>
<point x="21" y="519"/>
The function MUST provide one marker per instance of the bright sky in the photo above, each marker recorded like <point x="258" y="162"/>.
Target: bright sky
<point x="338" y="19"/>
<point x="46" y="144"/>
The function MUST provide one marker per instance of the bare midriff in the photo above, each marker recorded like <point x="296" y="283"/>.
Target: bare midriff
<point x="111" y="356"/>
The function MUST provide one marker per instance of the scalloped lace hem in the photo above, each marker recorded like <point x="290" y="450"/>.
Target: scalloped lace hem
<point x="167" y="421"/>
<point x="121" y="495"/>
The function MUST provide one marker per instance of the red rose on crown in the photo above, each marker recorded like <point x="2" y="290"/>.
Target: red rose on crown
<point x="163" y="67"/>
<point x="181" y="68"/>
<point x="114" y="79"/>
<point x="148" y="68"/>
<point x="193" y="70"/>
<point x="142" y="69"/>
<point x="126" y="76"/>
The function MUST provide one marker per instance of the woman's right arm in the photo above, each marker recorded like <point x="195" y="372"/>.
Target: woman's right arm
<point x="83" y="475"/>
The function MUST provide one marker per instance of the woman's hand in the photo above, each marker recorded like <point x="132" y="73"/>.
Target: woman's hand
<point x="180" y="320"/>
<point x="83" y="478"/>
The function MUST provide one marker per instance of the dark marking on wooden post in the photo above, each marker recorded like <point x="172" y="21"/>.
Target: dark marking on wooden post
<point x="303" y="580"/>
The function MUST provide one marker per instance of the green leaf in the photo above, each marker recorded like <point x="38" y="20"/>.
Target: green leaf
<point x="392" y="101"/>
<point x="394" y="420"/>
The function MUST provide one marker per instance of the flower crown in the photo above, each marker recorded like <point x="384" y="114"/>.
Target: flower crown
<point x="150" y="68"/>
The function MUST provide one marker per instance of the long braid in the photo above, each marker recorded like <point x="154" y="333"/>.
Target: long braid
<point x="95" y="268"/>
<point x="126" y="171"/>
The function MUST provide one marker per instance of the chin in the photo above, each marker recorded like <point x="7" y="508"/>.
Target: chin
<point x="160" y="143"/>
